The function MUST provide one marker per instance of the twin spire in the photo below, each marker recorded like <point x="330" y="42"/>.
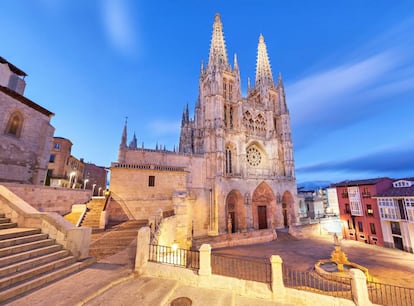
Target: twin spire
<point x="263" y="69"/>
<point x="218" y="55"/>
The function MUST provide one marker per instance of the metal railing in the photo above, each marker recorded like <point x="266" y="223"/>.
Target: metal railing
<point x="174" y="256"/>
<point x="390" y="295"/>
<point x="243" y="268"/>
<point x="311" y="281"/>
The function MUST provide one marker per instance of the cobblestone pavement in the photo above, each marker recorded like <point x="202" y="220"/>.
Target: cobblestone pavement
<point x="390" y="266"/>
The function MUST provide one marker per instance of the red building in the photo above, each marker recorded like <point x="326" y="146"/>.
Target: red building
<point x="359" y="211"/>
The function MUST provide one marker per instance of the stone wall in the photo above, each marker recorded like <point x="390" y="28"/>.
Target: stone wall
<point x="74" y="239"/>
<point x="50" y="199"/>
<point x="24" y="157"/>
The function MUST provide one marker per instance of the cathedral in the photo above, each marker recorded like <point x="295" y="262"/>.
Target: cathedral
<point x="234" y="168"/>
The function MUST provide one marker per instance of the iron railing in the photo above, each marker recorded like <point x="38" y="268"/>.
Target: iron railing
<point x="243" y="268"/>
<point x="174" y="256"/>
<point x="313" y="282"/>
<point x="390" y="295"/>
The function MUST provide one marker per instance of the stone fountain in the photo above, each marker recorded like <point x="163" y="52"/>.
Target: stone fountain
<point x="338" y="265"/>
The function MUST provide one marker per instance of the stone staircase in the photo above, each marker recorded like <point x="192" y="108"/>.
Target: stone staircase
<point x="93" y="215"/>
<point x="30" y="259"/>
<point x="115" y="239"/>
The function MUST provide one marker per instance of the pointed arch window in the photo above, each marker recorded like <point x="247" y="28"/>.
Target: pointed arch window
<point x="231" y="117"/>
<point x="14" y="125"/>
<point x="229" y="168"/>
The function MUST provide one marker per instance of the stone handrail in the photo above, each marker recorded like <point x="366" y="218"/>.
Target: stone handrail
<point x="76" y="240"/>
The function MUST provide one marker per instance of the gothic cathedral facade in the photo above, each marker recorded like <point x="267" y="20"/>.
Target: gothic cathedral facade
<point x="234" y="170"/>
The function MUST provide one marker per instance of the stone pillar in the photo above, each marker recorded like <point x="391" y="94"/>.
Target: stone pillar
<point x="359" y="288"/>
<point x="181" y="215"/>
<point x="143" y="241"/>
<point x="205" y="260"/>
<point x="278" y="288"/>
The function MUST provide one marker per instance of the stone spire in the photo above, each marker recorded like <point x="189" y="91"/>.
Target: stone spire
<point x="124" y="135"/>
<point x="263" y="71"/>
<point x="282" y="96"/>
<point x="133" y="143"/>
<point x="218" y="54"/>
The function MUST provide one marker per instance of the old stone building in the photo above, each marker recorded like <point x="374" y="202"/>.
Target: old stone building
<point x="234" y="170"/>
<point x="26" y="134"/>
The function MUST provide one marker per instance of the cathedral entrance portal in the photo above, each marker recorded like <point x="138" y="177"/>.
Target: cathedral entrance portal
<point x="262" y="216"/>
<point x="285" y="217"/>
<point x="264" y="207"/>
<point x="288" y="209"/>
<point x="235" y="214"/>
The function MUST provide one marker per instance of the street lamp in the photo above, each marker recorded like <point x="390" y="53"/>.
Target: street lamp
<point x="84" y="183"/>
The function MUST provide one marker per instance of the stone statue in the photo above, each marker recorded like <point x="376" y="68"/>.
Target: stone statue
<point x="229" y="225"/>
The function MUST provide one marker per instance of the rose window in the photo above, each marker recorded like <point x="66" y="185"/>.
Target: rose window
<point x="254" y="157"/>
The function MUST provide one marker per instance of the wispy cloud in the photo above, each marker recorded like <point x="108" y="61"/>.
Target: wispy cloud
<point x="159" y="127"/>
<point x="342" y="95"/>
<point x="384" y="162"/>
<point x="119" y="25"/>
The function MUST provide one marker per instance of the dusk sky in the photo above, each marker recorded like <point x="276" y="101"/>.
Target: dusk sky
<point x="347" y="66"/>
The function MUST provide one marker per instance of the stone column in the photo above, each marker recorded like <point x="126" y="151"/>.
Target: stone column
<point x="204" y="273"/>
<point x="278" y="288"/>
<point x="181" y="215"/>
<point x="359" y="288"/>
<point x="205" y="260"/>
<point x="143" y="241"/>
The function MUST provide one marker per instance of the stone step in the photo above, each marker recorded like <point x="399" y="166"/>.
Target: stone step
<point x="7" y="225"/>
<point x="17" y="232"/>
<point x="37" y="282"/>
<point x="4" y="220"/>
<point x="2" y="215"/>
<point x="32" y="262"/>
<point x="21" y="240"/>
<point x="9" y="260"/>
<point x="25" y="275"/>
<point x="25" y="247"/>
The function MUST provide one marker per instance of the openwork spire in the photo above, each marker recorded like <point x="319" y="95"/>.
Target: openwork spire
<point x="263" y="70"/>
<point x="218" y="53"/>
<point x="124" y="134"/>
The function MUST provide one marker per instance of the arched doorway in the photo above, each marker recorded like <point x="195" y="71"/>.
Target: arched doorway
<point x="264" y="207"/>
<point x="287" y="209"/>
<point x="235" y="214"/>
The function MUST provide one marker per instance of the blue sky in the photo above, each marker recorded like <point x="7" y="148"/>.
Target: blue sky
<point x="348" y="69"/>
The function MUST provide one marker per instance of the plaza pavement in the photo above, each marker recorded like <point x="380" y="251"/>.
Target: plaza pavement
<point x="112" y="282"/>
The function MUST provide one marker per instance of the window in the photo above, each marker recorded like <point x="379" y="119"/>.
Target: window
<point x="14" y="126"/>
<point x="228" y="161"/>
<point x="395" y="228"/>
<point x="347" y="209"/>
<point x="372" y="227"/>
<point x="151" y="181"/>
<point x="52" y="158"/>
<point x="56" y="146"/>
<point x="360" y="227"/>
<point x="370" y="211"/>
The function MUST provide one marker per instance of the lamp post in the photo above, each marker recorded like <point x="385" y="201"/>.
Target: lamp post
<point x="84" y="183"/>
